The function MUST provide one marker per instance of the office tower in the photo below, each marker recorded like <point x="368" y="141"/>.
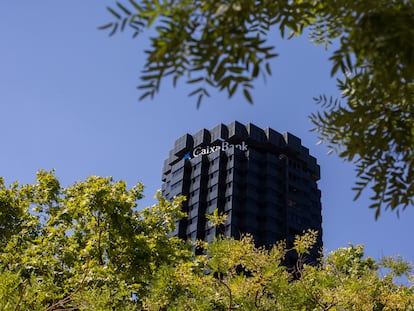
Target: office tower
<point x="266" y="183"/>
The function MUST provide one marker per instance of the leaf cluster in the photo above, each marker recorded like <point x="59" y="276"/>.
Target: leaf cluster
<point x="236" y="275"/>
<point x="211" y="44"/>
<point x="372" y="125"/>
<point x="64" y="246"/>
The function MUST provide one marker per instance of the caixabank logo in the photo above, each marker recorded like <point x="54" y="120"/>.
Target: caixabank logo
<point x="200" y="151"/>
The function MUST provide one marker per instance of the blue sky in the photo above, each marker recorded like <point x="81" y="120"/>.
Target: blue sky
<point x="68" y="101"/>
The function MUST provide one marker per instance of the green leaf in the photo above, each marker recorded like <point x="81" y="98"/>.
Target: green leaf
<point x="196" y="80"/>
<point x="247" y="96"/>
<point x="106" y="26"/>
<point x="268" y="69"/>
<point x="123" y="8"/>
<point x="114" y="13"/>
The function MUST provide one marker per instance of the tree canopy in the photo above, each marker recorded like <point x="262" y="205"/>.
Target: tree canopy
<point x="236" y="275"/>
<point x="84" y="247"/>
<point x="87" y="247"/>
<point x="226" y="45"/>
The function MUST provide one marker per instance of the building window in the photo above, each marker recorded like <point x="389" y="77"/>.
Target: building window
<point x="178" y="172"/>
<point x="176" y="185"/>
<point x="213" y="188"/>
<point x="195" y="193"/>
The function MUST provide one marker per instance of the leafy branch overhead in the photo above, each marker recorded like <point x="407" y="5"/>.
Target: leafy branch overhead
<point x="373" y="124"/>
<point x="209" y="44"/>
<point x="226" y="45"/>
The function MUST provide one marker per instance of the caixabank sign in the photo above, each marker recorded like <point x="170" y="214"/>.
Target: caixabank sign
<point x="199" y="151"/>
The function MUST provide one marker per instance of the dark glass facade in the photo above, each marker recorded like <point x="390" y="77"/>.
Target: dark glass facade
<point x="266" y="183"/>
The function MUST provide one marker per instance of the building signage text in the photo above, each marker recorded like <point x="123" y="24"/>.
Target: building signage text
<point x="223" y="147"/>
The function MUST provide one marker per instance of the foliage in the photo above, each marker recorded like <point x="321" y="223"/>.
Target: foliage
<point x="74" y="247"/>
<point x="211" y="44"/>
<point x="236" y="275"/>
<point x="87" y="247"/>
<point x="217" y="219"/>
<point x="374" y="127"/>
<point x="224" y="45"/>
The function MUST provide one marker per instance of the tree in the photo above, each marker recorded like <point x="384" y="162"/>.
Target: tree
<point x="224" y="45"/>
<point x="84" y="247"/>
<point x="236" y="275"/>
<point x="87" y="247"/>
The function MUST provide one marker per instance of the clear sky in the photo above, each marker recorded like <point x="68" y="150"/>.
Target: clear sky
<point x="68" y="101"/>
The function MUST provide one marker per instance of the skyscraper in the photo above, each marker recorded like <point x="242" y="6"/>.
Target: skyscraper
<point x="266" y="183"/>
